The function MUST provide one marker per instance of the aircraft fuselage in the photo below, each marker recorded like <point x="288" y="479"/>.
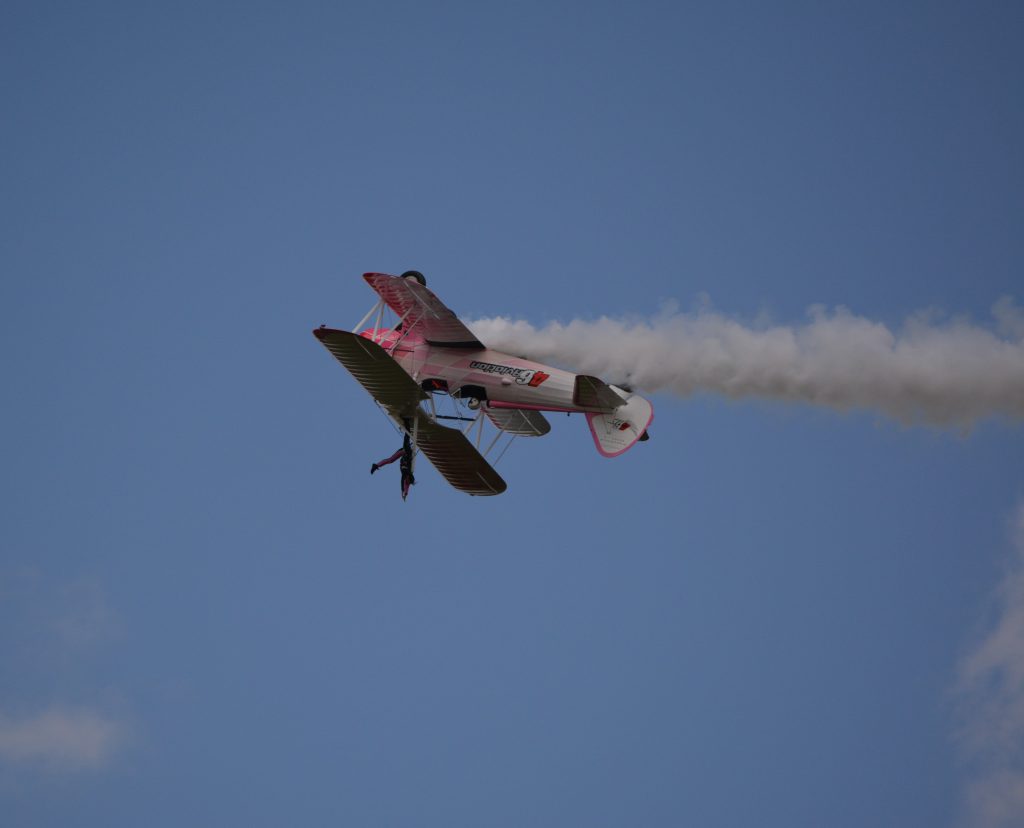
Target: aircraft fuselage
<point x="502" y="378"/>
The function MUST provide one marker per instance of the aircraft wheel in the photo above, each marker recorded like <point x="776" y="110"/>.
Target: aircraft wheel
<point x="415" y="274"/>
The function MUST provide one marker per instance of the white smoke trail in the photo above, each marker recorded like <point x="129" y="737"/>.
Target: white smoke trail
<point x="931" y="370"/>
<point x="60" y="738"/>
<point x="990" y="687"/>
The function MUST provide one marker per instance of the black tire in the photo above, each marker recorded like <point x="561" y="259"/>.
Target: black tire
<point x="415" y="274"/>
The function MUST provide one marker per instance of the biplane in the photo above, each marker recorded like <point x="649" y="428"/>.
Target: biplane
<point x="428" y="356"/>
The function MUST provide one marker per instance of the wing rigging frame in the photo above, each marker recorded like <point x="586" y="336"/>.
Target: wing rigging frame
<point x="477" y="421"/>
<point x="400" y="397"/>
<point x="378" y="309"/>
<point x="456" y="453"/>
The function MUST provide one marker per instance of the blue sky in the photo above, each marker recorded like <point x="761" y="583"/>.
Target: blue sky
<point x="209" y="612"/>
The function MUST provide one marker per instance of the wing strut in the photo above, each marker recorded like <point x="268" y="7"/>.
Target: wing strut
<point x="415" y="442"/>
<point x="376" y="309"/>
<point x="511" y="440"/>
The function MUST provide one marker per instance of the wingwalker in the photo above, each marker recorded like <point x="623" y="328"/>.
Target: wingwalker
<point x="428" y="354"/>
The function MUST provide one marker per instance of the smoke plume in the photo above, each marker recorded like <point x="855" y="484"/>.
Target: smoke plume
<point x="990" y="688"/>
<point x="932" y="369"/>
<point x="60" y="738"/>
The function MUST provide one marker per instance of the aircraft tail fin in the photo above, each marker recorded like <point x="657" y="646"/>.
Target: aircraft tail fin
<point x="617" y="431"/>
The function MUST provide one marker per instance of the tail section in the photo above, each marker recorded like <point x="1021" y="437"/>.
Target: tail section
<point x="590" y="392"/>
<point x="616" y="431"/>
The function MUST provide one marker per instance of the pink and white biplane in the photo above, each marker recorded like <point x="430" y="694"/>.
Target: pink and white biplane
<point x="428" y="353"/>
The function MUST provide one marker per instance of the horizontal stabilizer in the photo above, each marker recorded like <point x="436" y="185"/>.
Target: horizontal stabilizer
<point x="615" y="432"/>
<point x="518" y="421"/>
<point x="590" y="392"/>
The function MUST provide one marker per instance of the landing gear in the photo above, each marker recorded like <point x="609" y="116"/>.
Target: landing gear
<point x="473" y="395"/>
<point x="415" y="274"/>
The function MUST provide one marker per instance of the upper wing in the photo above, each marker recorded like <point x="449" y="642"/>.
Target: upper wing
<point x="437" y="323"/>
<point x="375" y="370"/>
<point x="456" y="458"/>
<point x="447" y="448"/>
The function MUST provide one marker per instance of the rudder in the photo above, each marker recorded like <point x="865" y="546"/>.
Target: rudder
<point x="617" y="431"/>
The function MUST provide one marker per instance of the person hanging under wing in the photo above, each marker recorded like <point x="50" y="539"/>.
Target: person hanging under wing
<point x="404" y="454"/>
